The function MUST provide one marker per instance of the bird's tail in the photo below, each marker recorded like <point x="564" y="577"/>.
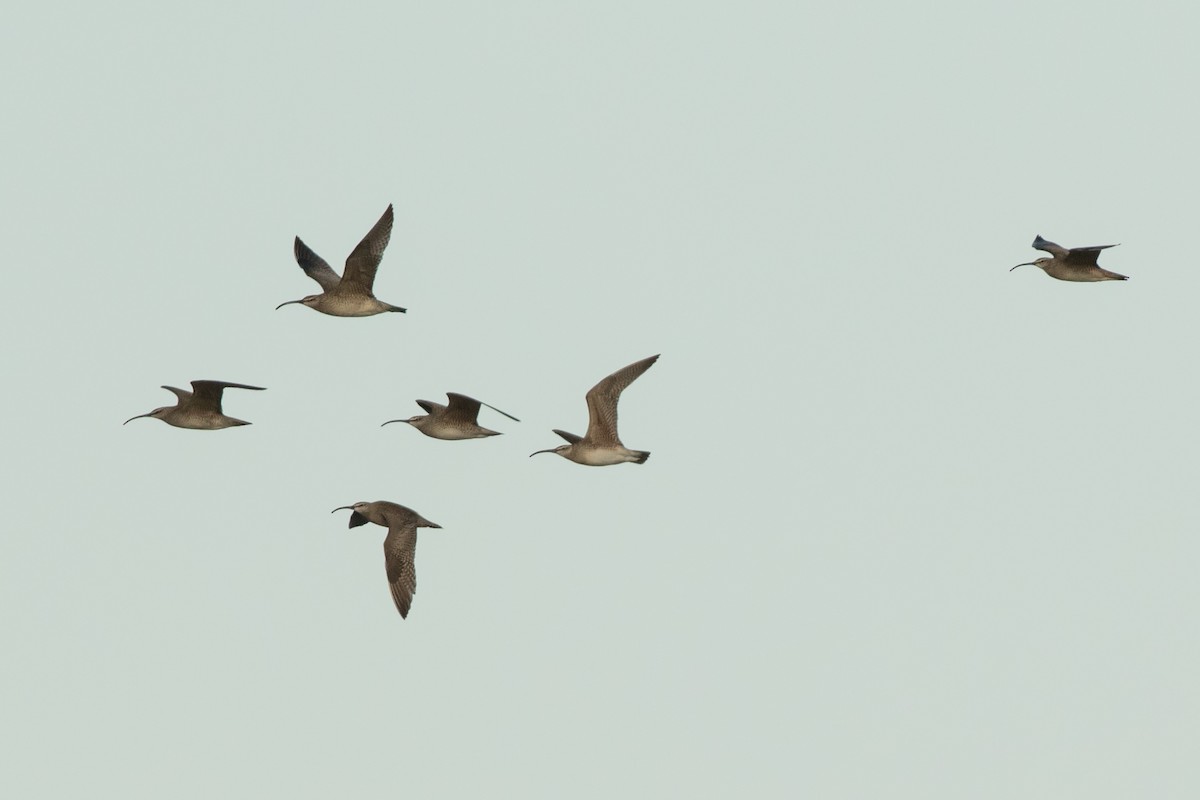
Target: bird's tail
<point x="642" y="455"/>
<point x="397" y="308"/>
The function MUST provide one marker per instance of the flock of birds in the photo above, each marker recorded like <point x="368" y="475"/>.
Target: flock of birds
<point x="352" y="295"/>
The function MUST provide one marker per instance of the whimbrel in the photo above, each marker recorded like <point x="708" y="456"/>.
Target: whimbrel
<point x="199" y="408"/>
<point x="350" y="295"/>
<point x="459" y="420"/>
<point x="600" y="446"/>
<point x="1077" y="264"/>
<point x="399" y="546"/>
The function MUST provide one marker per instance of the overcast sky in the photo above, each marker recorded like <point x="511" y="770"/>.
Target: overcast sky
<point x="913" y="526"/>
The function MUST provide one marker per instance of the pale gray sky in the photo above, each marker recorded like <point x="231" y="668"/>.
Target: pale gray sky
<point x="913" y="527"/>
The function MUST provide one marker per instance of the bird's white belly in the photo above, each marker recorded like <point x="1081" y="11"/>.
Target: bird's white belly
<point x="450" y="432"/>
<point x="351" y="306"/>
<point x="602" y="457"/>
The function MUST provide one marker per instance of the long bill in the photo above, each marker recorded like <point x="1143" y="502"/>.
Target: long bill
<point x="1025" y="264"/>
<point x="288" y="303"/>
<point x="139" y="416"/>
<point x="390" y="421"/>
<point x="551" y="450"/>
<point x="342" y="508"/>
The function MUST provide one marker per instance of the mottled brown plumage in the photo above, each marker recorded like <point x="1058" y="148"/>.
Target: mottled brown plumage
<point x="199" y="409"/>
<point x="1077" y="264"/>
<point x="352" y="294"/>
<point x="601" y="446"/>
<point x="399" y="546"/>
<point x="459" y="420"/>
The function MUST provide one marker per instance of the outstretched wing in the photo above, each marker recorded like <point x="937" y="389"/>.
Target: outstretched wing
<point x="430" y="406"/>
<point x="463" y="404"/>
<point x="314" y="266"/>
<point x="399" y="553"/>
<point x="602" y="402"/>
<point x="183" y="395"/>
<point x="570" y="437"/>
<point x="1047" y="246"/>
<point x="208" y="393"/>
<point x="364" y="261"/>
<point x="1085" y="256"/>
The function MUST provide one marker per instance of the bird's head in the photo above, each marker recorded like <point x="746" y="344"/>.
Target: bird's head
<point x="1038" y="262"/>
<point x="561" y="450"/>
<point x="309" y="301"/>
<point x="358" y="514"/>
<point x="156" y="414"/>
<point x="410" y="420"/>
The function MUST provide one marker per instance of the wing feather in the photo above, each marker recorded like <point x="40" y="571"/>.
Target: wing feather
<point x="314" y="266"/>
<point x="602" y="402"/>
<point x="364" y="261"/>
<point x="208" y="393"/>
<point x="399" y="556"/>
<point x="1085" y="256"/>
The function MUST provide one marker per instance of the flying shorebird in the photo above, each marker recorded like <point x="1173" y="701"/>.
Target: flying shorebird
<point x="459" y="420"/>
<point x="350" y="295"/>
<point x="1077" y="264"/>
<point x="600" y="446"/>
<point x="399" y="546"/>
<point x="200" y="408"/>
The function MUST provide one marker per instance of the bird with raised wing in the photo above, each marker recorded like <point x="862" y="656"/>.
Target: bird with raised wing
<point x="352" y="294"/>
<point x="600" y="446"/>
<point x="1076" y="264"/>
<point x="399" y="546"/>
<point x="200" y="408"/>
<point x="459" y="420"/>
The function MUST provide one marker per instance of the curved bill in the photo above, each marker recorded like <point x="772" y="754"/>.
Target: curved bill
<point x="342" y="508"/>
<point x="1025" y="264"/>
<point x="551" y="450"/>
<point x="288" y="303"/>
<point x="390" y="421"/>
<point x="139" y="416"/>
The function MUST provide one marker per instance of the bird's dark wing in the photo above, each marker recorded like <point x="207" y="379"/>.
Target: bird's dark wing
<point x="1085" y="256"/>
<point x="570" y="437"/>
<point x="430" y="406"/>
<point x="364" y="261"/>
<point x="478" y="403"/>
<point x="602" y="402"/>
<point x="314" y="266"/>
<point x="1053" y="249"/>
<point x="399" y="552"/>
<point x="462" y="407"/>
<point x="505" y="413"/>
<point x="182" y="394"/>
<point x="208" y="393"/>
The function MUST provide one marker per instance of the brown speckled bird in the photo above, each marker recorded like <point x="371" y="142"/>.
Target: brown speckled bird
<point x="199" y="409"/>
<point x="1077" y="264"/>
<point x="459" y="420"/>
<point x="600" y="446"/>
<point x="351" y="294"/>
<point x="399" y="546"/>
